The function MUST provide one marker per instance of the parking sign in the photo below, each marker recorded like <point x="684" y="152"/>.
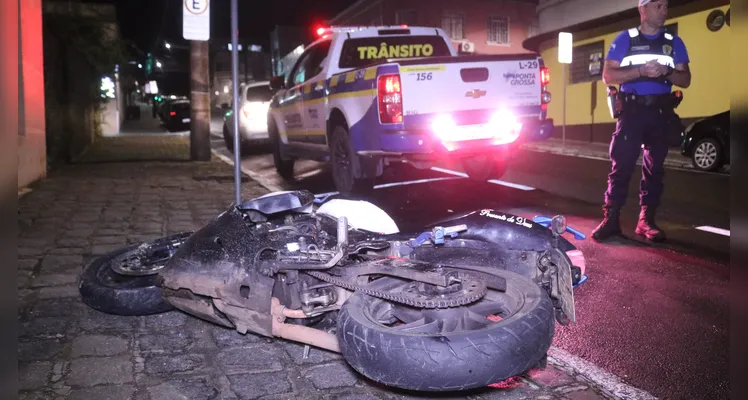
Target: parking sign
<point x="196" y="19"/>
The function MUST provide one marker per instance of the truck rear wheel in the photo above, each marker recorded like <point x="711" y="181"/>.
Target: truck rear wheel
<point x="484" y="167"/>
<point x="344" y="161"/>
<point x="283" y="166"/>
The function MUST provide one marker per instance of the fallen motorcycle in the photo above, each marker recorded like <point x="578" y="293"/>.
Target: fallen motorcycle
<point x="467" y="302"/>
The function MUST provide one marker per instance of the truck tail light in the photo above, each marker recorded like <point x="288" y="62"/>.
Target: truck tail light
<point x="389" y="96"/>
<point x="545" y="76"/>
<point x="545" y="79"/>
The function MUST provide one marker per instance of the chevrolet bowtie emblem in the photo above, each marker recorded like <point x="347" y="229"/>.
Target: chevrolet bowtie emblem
<point x="475" y="93"/>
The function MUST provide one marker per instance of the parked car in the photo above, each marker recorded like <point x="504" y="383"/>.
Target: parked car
<point x="253" y="117"/>
<point x="176" y="115"/>
<point x="707" y="142"/>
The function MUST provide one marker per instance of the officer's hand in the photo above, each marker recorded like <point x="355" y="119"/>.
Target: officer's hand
<point x="652" y="69"/>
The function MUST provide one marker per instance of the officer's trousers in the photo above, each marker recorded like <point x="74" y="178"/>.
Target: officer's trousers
<point x="639" y="125"/>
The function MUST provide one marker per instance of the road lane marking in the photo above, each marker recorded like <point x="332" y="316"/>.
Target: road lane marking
<point x="613" y="385"/>
<point x="393" y="184"/>
<point x="512" y="185"/>
<point x="711" y="229"/>
<point x="494" y="181"/>
<point x="386" y="185"/>
<point x="275" y="188"/>
<point x="449" y="171"/>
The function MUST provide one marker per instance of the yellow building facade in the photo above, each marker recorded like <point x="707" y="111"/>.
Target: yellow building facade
<point x="705" y="30"/>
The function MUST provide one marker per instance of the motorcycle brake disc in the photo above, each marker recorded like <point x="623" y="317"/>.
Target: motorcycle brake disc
<point x="132" y="264"/>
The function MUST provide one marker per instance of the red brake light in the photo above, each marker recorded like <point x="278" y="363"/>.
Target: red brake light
<point x="390" y="99"/>
<point x="545" y="76"/>
<point x="173" y="113"/>
<point x="320" y="31"/>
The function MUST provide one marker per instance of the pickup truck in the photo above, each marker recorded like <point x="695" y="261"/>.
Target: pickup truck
<point x="363" y="98"/>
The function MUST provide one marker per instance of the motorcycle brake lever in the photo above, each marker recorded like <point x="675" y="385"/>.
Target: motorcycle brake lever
<point x="546" y="222"/>
<point x="577" y="235"/>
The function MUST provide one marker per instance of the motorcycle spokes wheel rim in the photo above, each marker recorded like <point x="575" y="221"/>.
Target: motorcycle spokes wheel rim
<point x="490" y="310"/>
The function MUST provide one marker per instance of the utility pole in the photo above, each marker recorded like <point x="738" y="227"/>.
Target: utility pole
<point x="199" y="101"/>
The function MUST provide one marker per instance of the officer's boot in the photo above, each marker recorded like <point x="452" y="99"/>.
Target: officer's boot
<point x="610" y="225"/>
<point x="646" y="226"/>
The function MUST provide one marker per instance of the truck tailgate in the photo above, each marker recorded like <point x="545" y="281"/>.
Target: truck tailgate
<point x="451" y="84"/>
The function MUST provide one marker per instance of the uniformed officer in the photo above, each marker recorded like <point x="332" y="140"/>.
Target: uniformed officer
<point x="646" y="62"/>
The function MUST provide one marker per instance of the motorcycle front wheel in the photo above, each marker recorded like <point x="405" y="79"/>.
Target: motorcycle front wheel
<point x="104" y="289"/>
<point x="500" y="336"/>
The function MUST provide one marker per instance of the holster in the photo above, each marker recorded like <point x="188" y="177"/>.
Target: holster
<point x="615" y="102"/>
<point x="618" y="101"/>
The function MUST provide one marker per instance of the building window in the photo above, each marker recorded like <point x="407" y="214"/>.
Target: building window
<point x="587" y="63"/>
<point x="406" y="17"/>
<point x="453" y="25"/>
<point x="498" y="30"/>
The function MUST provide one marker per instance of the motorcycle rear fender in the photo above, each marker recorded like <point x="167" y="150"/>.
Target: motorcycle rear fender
<point x="212" y="263"/>
<point x="511" y="234"/>
<point x="509" y="231"/>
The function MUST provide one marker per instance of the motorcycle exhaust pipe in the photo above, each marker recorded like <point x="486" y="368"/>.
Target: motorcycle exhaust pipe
<point x="299" y="333"/>
<point x="304" y="334"/>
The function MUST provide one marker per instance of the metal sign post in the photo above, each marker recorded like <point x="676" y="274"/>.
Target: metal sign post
<point x="235" y="86"/>
<point x="565" y="42"/>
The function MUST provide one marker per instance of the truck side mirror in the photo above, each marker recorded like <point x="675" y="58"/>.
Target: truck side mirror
<point x="276" y="83"/>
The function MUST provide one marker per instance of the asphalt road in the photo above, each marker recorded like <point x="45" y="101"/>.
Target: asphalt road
<point x="654" y="315"/>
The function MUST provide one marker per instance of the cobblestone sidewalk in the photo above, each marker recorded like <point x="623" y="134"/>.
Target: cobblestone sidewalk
<point x="69" y="351"/>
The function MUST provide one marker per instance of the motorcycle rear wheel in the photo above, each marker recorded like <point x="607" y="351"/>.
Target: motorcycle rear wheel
<point x="449" y="349"/>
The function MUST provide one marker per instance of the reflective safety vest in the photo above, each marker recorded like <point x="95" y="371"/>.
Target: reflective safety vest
<point x="641" y="50"/>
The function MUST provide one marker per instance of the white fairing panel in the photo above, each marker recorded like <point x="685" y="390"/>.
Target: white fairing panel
<point x="361" y="215"/>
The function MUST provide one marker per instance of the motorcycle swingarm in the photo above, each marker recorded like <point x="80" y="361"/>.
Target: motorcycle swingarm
<point x="419" y="271"/>
<point x="406" y="270"/>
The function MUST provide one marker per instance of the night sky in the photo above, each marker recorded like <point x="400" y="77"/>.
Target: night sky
<point x="148" y="23"/>
<point x="145" y="21"/>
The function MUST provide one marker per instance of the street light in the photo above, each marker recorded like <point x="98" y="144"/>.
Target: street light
<point x="158" y="64"/>
<point x="140" y="66"/>
<point x="167" y="45"/>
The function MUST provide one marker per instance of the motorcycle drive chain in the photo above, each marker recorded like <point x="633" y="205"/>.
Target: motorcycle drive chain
<point x="476" y="290"/>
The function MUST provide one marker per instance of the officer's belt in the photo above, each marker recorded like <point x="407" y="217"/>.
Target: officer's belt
<point x="648" y="100"/>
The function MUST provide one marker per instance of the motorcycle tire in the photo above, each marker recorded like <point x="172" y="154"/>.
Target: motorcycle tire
<point x="103" y="289"/>
<point x="451" y="361"/>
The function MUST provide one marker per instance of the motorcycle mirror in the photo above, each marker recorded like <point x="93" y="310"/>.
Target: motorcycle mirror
<point x="558" y="224"/>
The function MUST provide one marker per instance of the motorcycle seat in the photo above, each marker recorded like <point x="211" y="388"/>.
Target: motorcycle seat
<point x="277" y="202"/>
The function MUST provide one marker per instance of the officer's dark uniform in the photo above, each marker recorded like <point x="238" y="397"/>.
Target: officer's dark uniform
<point x="646" y="118"/>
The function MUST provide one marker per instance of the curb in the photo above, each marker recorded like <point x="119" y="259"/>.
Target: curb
<point x="610" y="384"/>
<point x="685" y="165"/>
